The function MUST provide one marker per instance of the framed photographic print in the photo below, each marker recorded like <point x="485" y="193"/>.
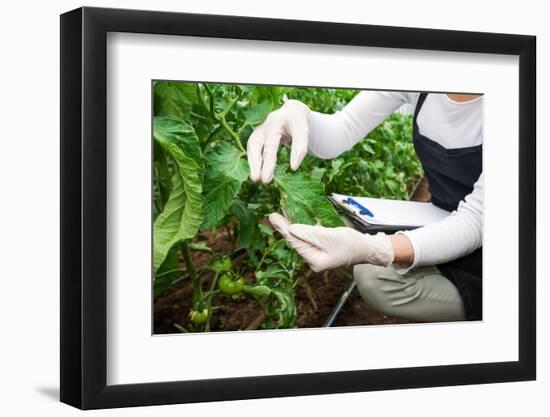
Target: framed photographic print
<point x="258" y="207"/>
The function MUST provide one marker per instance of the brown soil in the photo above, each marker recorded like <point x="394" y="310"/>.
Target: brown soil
<point x="315" y="299"/>
<point x="422" y="192"/>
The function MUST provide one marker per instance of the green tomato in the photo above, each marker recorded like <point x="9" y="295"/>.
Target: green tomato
<point x="228" y="286"/>
<point x="222" y="264"/>
<point x="199" y="317"/>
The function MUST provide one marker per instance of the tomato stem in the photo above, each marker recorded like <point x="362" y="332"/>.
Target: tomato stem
<point x="220" y="118"/>
<point x="195" y="278"/>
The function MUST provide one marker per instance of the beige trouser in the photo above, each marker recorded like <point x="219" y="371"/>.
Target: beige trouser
<point x="422" y="294"/>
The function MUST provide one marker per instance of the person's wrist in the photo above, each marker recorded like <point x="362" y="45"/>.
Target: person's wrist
<point x="403" y="249"/>
<point x="296" y="104"/>
<point x="375" y="249"/>
<point x="297" y="107"/>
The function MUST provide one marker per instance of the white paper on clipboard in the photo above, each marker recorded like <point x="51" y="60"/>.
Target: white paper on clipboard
<point x="393" y="212"/>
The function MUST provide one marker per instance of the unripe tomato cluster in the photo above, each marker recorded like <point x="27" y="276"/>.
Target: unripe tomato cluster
<point x="199" y="317"/>
<point x="229" y="286"/>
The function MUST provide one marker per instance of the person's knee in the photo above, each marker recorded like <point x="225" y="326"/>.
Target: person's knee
<point x="369" y="285"/>
<point x="420" y="295"/>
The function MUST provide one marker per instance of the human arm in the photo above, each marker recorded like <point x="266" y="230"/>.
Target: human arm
<point x="457" y="235"/>
<point x="326" y="248"/>
<point x="332" y="134"/>
<point x="322" y="135"/>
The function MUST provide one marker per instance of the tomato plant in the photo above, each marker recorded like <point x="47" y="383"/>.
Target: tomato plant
<point x="201" y="191"/>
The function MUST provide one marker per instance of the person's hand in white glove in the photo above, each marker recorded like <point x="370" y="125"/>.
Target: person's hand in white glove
<point x="289" y="123"/>
<point x="328" y="248"/>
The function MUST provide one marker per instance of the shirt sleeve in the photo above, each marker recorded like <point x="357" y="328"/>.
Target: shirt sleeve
<point x="431" y="243"/>
<point x="332" y="134"/>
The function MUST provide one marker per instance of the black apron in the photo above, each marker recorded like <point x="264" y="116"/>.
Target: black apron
<point x="451" y="174"/>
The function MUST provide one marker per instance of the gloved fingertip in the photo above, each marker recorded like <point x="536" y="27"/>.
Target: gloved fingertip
<point x="279" y="222"/>
<point x="266" y="177"/>
<point x="294" y="163"/>
<point x="296" y="159"/>
<point x="275" y="218"/>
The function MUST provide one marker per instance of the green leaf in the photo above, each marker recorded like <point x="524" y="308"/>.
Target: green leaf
<point x="272" y="271"/>
<point x="257" y="290"/>
<point x="222" y="190"/>
<point x="247" y="222"/>
<point x="303" y="200"/>
<point x="164" y="281"/>
<point x="317" y="173"/>
<point x="285" y="312"/>
<point x="226" y="171"/>
<point x="182" y="214"/>
<point x="200" y="247"/>
<point x="180" y="134"/>
<point x="174" y="100"/>
<point x="257" y="114"/>
<point x="227" y="160"/>
<point x="265" y="229"/>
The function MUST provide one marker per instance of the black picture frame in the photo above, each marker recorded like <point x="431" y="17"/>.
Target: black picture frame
<point x="84" y="207"/>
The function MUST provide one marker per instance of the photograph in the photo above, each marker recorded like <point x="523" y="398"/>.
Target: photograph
<point x="291" y="207"/>
<point x="317" y="207"/>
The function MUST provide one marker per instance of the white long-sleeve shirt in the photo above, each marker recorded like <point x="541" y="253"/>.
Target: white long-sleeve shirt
<point x="451" y="124"/>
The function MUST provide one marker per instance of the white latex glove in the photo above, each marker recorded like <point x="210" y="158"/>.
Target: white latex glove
<point x="289" y="123"/>
<point x="328" y="248"/>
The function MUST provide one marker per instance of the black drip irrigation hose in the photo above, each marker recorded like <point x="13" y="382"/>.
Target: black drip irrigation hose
<point x="339" y="305"/>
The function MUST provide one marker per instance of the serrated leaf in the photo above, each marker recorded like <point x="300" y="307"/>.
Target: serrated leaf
<point x="284" y="314"/>
<point x="180" y="134"/>
<point x="257" y="290"/>
<point x="257" y="113"/>
<point x="287" y="309"/>
<point x="303" y="200"/>
<point x="226" y="171"/>
<point x="182" y="214"/>
<point x="272" y="271"/>
<point x="174" y="100"/>
<point x="227" y="160"/>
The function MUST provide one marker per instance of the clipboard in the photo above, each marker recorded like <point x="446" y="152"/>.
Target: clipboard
<point x="373" y="215"/>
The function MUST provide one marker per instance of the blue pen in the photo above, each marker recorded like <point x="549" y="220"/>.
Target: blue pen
<point x="362" y="209"/>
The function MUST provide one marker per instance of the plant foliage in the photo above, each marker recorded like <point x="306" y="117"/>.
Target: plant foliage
<point x="201" y="189"/>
